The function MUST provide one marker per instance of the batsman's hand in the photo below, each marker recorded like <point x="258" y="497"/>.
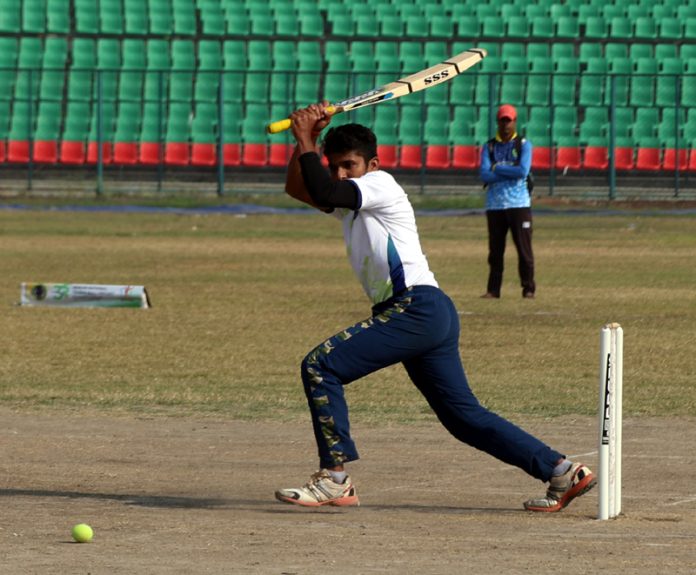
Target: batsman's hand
<point x="308" y="123"/>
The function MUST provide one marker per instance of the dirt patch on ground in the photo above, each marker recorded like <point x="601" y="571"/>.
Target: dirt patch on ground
<point x="196" y="496"/>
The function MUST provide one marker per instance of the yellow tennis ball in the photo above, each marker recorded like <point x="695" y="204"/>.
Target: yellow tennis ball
<point x="82" y="533"/>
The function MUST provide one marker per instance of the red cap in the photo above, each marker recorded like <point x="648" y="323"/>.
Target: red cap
<point x="507" y="111"/>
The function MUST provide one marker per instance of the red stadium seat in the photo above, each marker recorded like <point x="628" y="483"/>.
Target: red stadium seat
<point x="669" y="161"/>
<point x="623" y="158"/>
<point x="46" y="151"/>
<point x="280" y="154"/>
<point x="93" y="152"/>
<point x="149" y="153"/>
<point x="72" y="152"/>
<point x="466" y="157"/>
<point x="3" y="151"/>
<point x="254" y="155"/>
<point x="176" y="153"/>
<point x="692" y="160"/>
<point x="387" y="155"/>
<point x="125" y="153"/>
<point x="203" y="154"/>
<point x="231" y="155"/>
<point x="596" y="158"/>
<point x="410" y="156"/>
<point x="648" y="159"/>
<point x="18" y="151"/>
<point x="568" y="158"/>
<point x="437" y="157"/>
<point x="541" y="158"/>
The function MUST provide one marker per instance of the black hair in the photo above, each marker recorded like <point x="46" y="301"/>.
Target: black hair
<point x="351" y="138"/>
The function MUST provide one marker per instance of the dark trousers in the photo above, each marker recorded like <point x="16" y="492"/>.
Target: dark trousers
<point x="420" y="329"/>
<point x="519" y="222"/>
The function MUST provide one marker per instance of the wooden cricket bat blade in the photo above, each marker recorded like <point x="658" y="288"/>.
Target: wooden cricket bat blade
<point x="427" y="78"/>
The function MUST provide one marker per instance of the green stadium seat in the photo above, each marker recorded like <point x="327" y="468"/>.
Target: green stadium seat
<point x="542" y="50"/>
<point x="287" y="23"/>
<point x="613" y="50"/>
<point x="111" y="16"/>
<point x="596" y="27"/>
<point x="645" y="125"/>
<point x="690" y="28"/>
<point x="517" y="26"/>
<point x="621" y="27"/>
<point x="611" y="10"/>
<point x="564" y="82"/>
<point x="538" y="92"/>
<point x="488" y="80"/>
<point x="668" y="82"/>
<point x="568" y="27"/>
<point x="643" y="83"/>
<point x="184" y="18"/>
<point x="262" y="24"/>
<point x="135" y="17"/>
<point x="586" y="11"/>
<point x="391" y="26"/>
<point x="508" y="11"/>
<point x="514" y="80"/>
<point x="639" y="50"/>
<point x="436" y="136"/>
<point x="212" y="18"/>
<point x="86" y="17"/>
<point x="29" y="61"/>
<point x="52" y="84"/>
<point x="21" y="129"/>
<point x="667" y="50"/>
<point x="669" y="28"/>
<point x="688" y="91"/>
<point x="542" y="27"/>
<point x="591" y="91"/>
<point x="568" y="154"/>
<point x="486" y="10"/>
<point x="34" y="16"/>
<point x="565" y="120"/>
<point x="312" y="25"/>
<point x="108" y="64"/>
<point x="468" y="26"/>
<point x="58" y="16"/>
<point x="645" y="28"/>
<point x="492" y="26"/>
<point x="11" y="16"/>
<point x="462" y="125"/>
<point x="441" y="26"/>
<point x="595" y="124"/>
<point x="161" y="19"/>
<point x="8" y="63"/>
<point x="670" y="127"/>
<point x="510" y="49"/>
<point x="622" y="70"/>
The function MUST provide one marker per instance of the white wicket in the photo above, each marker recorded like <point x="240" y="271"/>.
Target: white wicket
<point x="610" y="420"/>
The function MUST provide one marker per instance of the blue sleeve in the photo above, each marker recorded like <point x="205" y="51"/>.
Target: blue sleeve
<point x="520" y="171"/>
<point x="485" y="173"/>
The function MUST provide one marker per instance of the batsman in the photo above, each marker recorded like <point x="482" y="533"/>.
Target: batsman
<point x="412" y="322"/>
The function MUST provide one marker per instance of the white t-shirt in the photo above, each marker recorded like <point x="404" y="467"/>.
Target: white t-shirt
<point x="382" y="239"/>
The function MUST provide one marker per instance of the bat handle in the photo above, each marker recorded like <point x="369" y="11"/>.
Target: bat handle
<point x="282" y="125"/>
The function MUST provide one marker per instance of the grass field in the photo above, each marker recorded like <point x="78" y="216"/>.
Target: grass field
<point x="238" y="301"/>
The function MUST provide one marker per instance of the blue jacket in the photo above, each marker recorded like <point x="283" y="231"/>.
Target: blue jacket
<point x="506" y="180"/>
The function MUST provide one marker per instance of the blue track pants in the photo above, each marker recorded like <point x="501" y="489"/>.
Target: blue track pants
<point x="420" y="329"/>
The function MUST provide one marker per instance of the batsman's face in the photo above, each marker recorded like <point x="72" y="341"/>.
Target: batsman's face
<point x="350" y="165"/>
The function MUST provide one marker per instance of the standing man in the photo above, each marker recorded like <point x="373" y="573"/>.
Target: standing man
<point x="505" y="164"/>
<point x="413" y="322"/>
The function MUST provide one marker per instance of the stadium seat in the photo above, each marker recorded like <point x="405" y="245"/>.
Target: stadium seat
<point x="667" y="87"/>
<point x="596" y="155"/>
<point x="135" y="17"/>
<point x="675" y="159"/>
<point x="648" y="157"/>
<point x="568" y="26"/>
<point x="177" y="136"/>
<point x="645" y="28"/>
<point x="542" y="157"/>
<point x="46" y="135"/>
<point x="101" y="130"/>
<point x="128" y="119"/>
<point x="596" y="28"/>
<point x="568" y="154"/>
<point x="624" y="154"/>
<point x="73" y="148"/>
<point x="58" y="16"/>
<point x="86" y="17"/>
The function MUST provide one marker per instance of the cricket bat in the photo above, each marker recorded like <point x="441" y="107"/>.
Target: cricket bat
<point x="414" y="83"/>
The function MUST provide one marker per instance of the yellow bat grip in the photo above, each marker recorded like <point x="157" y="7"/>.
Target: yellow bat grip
<point x="282" y="125"/>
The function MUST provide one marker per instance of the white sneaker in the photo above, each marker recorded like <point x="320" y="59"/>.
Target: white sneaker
<point x="321" y="490"/>
<point x="563" y="489"/>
